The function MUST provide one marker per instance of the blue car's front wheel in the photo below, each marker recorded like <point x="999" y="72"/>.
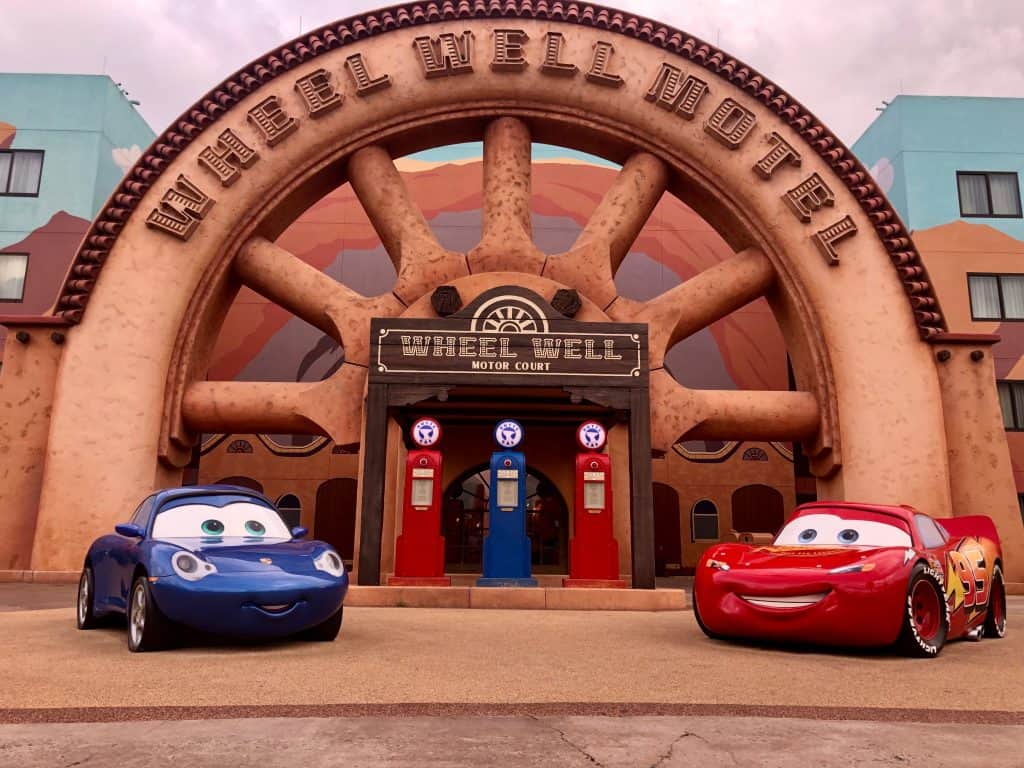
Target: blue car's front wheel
<point x="148" y="628"/>
<point x="85" y="613"/>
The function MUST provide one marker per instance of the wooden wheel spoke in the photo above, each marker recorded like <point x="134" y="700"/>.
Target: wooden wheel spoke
<point x="698" y="302"/>
<point x="313" y="296"/>
<point x="419" y="259"/>
<point x="507" y="239"/>
<point x="679" y="413"/>
<point x="332" y="407"/>
<point x="613" y="227"/>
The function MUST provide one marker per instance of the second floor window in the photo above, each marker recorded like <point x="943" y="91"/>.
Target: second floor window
<point x="13" y="267"/>
<point x="1011" y="400"/>
<point x="988" y="194"/>
<point x="20" y="171"/>
<point x="996" y="297"/>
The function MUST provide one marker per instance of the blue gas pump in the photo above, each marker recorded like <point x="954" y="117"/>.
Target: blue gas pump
<point x="507" y="547"/>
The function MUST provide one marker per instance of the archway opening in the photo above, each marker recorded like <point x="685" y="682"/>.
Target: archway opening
<point x="465" y="521"/>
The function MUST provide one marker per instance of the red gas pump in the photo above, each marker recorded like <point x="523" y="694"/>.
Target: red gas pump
<point x="593" y="552"/>
<point x="419" y="551"/>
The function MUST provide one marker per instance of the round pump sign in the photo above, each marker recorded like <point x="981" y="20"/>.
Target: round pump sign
<point x="425" y="432"/>
<point x="591" y="436"/>
<point x="508" y="433"/>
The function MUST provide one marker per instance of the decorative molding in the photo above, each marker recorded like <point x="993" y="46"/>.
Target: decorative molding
<point x="755" y="454"/>
<point x="204" y="113"/>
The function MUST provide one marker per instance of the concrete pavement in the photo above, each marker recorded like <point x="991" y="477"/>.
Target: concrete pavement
<point x="586" y="742"/>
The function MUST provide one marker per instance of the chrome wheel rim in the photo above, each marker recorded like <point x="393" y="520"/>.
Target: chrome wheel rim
<point x="137" y="623"/>
<point x="83" y="598"/>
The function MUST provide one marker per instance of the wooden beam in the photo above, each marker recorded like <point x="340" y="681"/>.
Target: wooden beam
<point x="641" y="489"/>
<point x="375" y="446"/>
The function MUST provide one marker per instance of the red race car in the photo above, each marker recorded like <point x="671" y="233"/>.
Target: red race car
<point x="858" y="575"/>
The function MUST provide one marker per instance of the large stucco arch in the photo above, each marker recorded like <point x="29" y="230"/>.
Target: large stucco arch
<point x="854" y="310"/>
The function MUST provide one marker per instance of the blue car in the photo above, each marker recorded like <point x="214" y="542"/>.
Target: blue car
<point x="214" y="558"/>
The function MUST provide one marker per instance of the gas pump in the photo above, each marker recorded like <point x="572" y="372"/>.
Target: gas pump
<point x="419" y="551"/>
<point x="507" y="547"/>
<point x="593" y="551"/>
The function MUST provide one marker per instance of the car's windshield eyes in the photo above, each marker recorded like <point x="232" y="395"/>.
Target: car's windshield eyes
<point x="826" y="530"/>
<point x="245" y="520"/>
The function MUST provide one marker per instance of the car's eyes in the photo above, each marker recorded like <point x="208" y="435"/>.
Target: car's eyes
<point x="847" y="536"/>
<point x="807" y="535"/>
<point x="213" y="527"/>
<point x="255" y="528"/>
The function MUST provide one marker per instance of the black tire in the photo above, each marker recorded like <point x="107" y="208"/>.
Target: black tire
<point x="326" y="630"/>
<point x="925" y="615"/>
<point x="995" y="616"/>
<point x="85" y="611"/>
<point x="148" y="628"/>
<point x="700" y="621"/>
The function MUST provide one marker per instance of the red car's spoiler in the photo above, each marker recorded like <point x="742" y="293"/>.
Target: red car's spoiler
<point x="970" y="525"/>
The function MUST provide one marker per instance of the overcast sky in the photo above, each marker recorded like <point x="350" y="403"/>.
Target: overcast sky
<point x="838" y="58"/>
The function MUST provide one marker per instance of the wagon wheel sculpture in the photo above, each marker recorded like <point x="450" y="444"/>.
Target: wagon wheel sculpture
<point x="333" y="407"/>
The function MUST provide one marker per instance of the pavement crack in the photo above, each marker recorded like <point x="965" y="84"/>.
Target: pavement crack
<point x="671" y="748"/>
<point x="562" y="735"/>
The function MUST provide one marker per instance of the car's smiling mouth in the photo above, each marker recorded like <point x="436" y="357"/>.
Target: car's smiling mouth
<point x="274" y="609"/>
<point x="784" y="602"/>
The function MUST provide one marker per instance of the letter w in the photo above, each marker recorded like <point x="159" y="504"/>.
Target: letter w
<point x="447" y="55"/>
<point x="547" y="348"/>
<point x="415" y="346"/>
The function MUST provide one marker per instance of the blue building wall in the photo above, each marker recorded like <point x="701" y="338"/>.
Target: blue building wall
<point x="916" y="146"/>
<point x="84" y="125"/>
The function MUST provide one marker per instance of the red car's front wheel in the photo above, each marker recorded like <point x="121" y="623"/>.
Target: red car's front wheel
<point x="925" y="615"/>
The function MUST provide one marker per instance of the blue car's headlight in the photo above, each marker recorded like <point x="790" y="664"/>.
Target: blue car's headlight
<point x="329" y="562"/>
<point x="190" y="567"/>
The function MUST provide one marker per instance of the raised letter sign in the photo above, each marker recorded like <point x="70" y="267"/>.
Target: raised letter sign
<point x="598" y="72"/>
<point x="181" y="209"/>
<point x="782" y="152"/>
<point x="809" y="196"/>
<point x="227" y="160"/>
<point x="670" y="91"/>
<point x="318" y="93"/>
<point x="508" y="50"/>
<point x="826" y="238"/>
<point x="730" y="123"/>
<point x="552" y="64"/>
<point x="360" y="73"/>
<point x="271" y="120"/>
<point x="448" y="55"/>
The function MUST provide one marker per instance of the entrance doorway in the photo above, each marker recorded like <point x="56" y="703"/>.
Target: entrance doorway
<point x="336" y="515"/>
<point x="757" y="509"/>
<point x="464" y="522"/>
<point x="668" y="557"/>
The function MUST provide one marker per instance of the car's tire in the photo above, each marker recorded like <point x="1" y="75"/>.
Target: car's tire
<point x="995" y="616"/>
<point x="326" y="630"/>
<point x="85" y="611"/>
<point x="925" y="614"/>
<point x="148" y="628"/>
<point x="700" y="621"/>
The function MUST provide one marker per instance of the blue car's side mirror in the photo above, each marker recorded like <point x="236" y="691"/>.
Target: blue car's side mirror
<point x="131" y="530"/>
<point x="298" y="532"/>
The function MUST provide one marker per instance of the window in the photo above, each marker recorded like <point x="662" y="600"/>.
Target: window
<point x="704" y="521"/>
<point x="20" y="170"/>
<point x="988" y="194"/>
<point x="996" y="297"/>
<point x="931" y="535"/>
<point x="1011" y="400"/>
<point x="290" y="509"/>
<point x="13" y="267"/>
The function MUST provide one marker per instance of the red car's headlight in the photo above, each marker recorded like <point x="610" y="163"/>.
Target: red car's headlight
<point x="855" y="568"/>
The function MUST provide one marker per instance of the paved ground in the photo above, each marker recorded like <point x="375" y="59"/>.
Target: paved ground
<point x="515" y="688"/>
<point x="589" y="742"/>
